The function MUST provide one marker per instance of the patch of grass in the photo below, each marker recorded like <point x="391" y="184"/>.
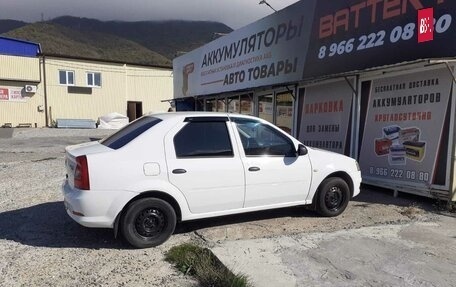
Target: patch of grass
<point x="204" y="266"/>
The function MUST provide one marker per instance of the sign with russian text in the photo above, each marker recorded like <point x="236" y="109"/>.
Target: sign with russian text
<point x="15" y="95"/>
<point x="405" y="127"/>
<point x="4" y="94"/>
<point x="311" y="39"/>
<point x="326" y="116"/>
<point x="267" y="52"/>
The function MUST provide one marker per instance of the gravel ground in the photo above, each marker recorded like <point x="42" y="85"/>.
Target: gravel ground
<point x="41" y="246"/>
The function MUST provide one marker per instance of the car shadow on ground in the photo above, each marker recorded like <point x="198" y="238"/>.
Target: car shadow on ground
<point x="48" y="225"/>
<point x="369" y="196"/>
<point x="296" y="211"/>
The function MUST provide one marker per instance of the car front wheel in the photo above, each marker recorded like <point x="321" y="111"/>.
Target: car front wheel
<point x="333" y="196"/>
<point x="148" y="222"/>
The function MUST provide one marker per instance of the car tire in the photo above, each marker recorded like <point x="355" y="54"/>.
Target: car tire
<point x="333" y="197"/>
<point x="148" y="222"/>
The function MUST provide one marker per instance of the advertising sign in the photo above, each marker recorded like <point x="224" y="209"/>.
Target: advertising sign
<point x="425" y="25"/>
<point x="326" y="116"/>
<point x="404" y="127"/>
<point x="354" y="35"/>
<point x="269" y="51"/>
<point x="4" y="94"/>
<point x="15" y="95"/>
<point x="314" y="38"/>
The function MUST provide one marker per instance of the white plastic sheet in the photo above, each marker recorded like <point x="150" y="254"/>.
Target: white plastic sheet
<point x="113" y="121"/>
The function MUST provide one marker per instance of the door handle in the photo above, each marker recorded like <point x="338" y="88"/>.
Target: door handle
<point x="254" y="168"/>
<point x="179" y="171"/>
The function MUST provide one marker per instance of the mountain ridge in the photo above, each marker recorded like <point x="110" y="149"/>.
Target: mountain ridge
<point x="58" y="40"/>
<point x="141" y="42"/>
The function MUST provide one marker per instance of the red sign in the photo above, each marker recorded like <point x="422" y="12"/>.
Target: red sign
<point x="425" y="25"/>
<point x="4" y="95"/>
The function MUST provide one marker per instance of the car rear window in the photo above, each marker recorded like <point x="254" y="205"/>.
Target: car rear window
<point x="130" y="132"/>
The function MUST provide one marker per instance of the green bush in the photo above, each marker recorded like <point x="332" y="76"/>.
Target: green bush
<point x="204" y="266"/>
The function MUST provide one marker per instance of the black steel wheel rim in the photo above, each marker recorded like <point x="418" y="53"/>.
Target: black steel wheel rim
<point x="150" y="222"/>
<point x="334" y="198"/>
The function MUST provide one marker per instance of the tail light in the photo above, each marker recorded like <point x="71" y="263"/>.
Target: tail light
<point x="81" y="173"/>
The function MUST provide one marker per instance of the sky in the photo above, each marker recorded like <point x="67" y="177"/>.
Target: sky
<point x="234" y="13"/>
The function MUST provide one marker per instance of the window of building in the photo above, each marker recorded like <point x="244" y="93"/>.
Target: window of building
<point x="66" y="77"/>
<point x="233" y="104"/>
<point x="93" y="79"/>
<point x="211" y="105"/>
<point x="203" y="139"/>
<point x="266" y="107"/>
<point x="221" y="105"/>
<point x="247" y="104"/>
<point x="284" y="111"/>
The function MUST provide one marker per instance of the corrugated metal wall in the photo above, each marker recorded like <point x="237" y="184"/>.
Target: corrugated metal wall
<point x="17" y="106"/>
<point x="150" y="87"/>
<point x="28" y="110"/>
<point x="65" y="104"/>
<point x="19" y="68"/>
<point x="119" y="84"/>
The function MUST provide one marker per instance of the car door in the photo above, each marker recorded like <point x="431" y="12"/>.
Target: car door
<point x="204" y="163"/>
<point x="274" y="173"/>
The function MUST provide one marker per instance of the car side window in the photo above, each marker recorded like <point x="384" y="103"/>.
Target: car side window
<point x="203" y="139"/>
<point x="261" y="139"/>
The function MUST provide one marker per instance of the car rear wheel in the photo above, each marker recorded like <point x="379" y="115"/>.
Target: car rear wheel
<point x="333" y="197"/>
<point x="148" y="222"/>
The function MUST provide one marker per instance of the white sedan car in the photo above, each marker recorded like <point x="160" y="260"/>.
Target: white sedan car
<point x="165" y="168"/>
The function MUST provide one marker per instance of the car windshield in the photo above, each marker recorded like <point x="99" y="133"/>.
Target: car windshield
<point x="129" y="132"/>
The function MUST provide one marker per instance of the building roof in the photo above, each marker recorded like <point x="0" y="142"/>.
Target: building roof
<point x="167" y="67"/>
<point x="15" y="47"/>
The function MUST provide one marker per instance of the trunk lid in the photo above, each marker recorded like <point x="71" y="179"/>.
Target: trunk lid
<point x="72" y="152"/>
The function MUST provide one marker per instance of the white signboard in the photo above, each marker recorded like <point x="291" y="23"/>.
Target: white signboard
<point x="12" y="94"/>
<point x="16" y="95"/>
<point x="326" y="116"/>
<point x="270" y="51"/>
<point x="404" y="127"/>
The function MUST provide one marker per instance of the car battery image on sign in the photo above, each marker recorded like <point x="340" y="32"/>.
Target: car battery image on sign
<point x="409" y="135"/>
<point x="397" y="155"/>
<point x="392" y="133"/>
<point x="382" y="146"/>
<point x="415" y="150"/>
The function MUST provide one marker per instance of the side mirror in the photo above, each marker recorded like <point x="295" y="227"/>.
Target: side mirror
<point x="302" y="150"/>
